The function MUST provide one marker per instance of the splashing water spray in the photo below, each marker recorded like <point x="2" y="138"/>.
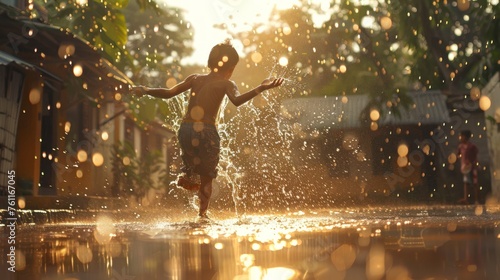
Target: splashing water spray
<point x="265" y="144"/>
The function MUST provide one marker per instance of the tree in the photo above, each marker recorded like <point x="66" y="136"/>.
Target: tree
<point x="454" y="44"/>
<point x="385" y="47"/>
<point x="157" y="41"/>
<point x="101" y="23"/>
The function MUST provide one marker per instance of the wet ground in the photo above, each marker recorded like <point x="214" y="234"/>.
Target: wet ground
<point x="418" y="242"/>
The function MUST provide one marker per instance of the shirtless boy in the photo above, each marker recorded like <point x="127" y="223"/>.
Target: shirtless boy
<point x="198" y="136"/>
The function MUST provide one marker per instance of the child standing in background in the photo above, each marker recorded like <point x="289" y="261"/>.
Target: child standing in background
<point x="467" y="152"/>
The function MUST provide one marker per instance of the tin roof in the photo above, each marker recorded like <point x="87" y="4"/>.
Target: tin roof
<point x="340" y="112"/>
<point x="42" y="47"/>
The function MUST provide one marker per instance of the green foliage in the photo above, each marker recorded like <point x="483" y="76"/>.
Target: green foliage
<point x="384" y="48"/>
<point x="135" y="174"/>
<point x="102" y="23"/>
<point x="158" y="39"/>
<point x="142" y="39"/>
<point x="340" y="56"/>
<point x="454" y="46"/>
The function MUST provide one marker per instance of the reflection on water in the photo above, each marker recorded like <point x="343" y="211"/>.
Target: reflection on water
<point x="402" y="243"/>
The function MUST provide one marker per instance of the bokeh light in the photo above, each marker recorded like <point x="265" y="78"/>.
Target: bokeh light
<point x="402" y="161"/>
<point x="386" y="23"/>
<point x="374" y="115"/>
<point x="104" y="230"/>
<point x="82" y="156"/>
<point x="343" y="68"/>
<point x="21" y="202"/>
<point x="343" y="257"/>
<point x="197" y="113"/>
<point x="484" y="103"/>
<point x="97" y="159"/>
<point x="452" y="158"/>
<point x="256" y="57"/>
<point x="475" y="93"/>
<point x="126" y="161"/>
<point x="84" y="254"/>
<point x="403" y="150"/>
<point x="35" y="95"/>
<point x="463" y="5"/>
<point x="283" y="61"/>
<point x="77" y="70"/>
<point x="104" y="136"/>
<point x="67" y="127"/>
<point x="171" y="82"/>
<point x="66" y="50"/>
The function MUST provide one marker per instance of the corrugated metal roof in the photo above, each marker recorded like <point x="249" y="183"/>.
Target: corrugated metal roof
<point x="344" y="112"/>
<point x="48" y="39"/>
<point x="322" y="112"/>
<point x="6" y="59"/>
<point x="429" y="107"/>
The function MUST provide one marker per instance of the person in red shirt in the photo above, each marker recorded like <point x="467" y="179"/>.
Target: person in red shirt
<point x="467" y="152"/>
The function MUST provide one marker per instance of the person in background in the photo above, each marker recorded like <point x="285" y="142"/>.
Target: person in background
<point x="467" y="152"/>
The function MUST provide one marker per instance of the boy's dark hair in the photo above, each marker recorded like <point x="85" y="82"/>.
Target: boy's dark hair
<point x="466" y="133"/>
<point x="222" y="57"/>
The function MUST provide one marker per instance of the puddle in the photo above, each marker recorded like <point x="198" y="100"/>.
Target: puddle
<point x="376" y="243"/>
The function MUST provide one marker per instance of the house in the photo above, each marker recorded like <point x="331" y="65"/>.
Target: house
<point x="366" y="151"/>
<point x="61" y="112"/>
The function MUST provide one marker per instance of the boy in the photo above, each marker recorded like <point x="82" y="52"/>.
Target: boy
<point x="198" y="137"/>
<point x="467" y="152"/>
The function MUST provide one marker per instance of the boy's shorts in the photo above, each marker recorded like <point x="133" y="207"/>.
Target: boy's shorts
<point x="200" y="148"/>
<point x="470" y="177"/>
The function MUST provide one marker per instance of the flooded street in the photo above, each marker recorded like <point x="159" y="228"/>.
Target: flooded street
<point x="427" y="242"/>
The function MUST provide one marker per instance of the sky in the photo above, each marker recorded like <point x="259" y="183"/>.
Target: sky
<point x="238" y="15"/>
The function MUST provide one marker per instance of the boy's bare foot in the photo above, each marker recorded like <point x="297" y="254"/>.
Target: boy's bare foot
<point x="188" y="183"/>
<point x="203" y="218"/>
<point x="463" y="201"/>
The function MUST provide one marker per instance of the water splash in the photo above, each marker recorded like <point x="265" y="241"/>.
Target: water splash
<point x="255" y="142"/>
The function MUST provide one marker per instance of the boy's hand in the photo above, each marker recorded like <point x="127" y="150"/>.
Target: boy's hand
<point x="271" y="83"/>
<point x="139" y="91"/>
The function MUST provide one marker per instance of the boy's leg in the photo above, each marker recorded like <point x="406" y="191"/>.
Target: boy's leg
<point x="476" y="193"/>
<point x="205" y="193"/>
<point x="466" y="192"/>
<point x="466" y="180"/>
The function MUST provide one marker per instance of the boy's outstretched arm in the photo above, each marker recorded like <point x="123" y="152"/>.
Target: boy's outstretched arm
<point x="238" y="99"/>
<point x="165" y="92"/>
